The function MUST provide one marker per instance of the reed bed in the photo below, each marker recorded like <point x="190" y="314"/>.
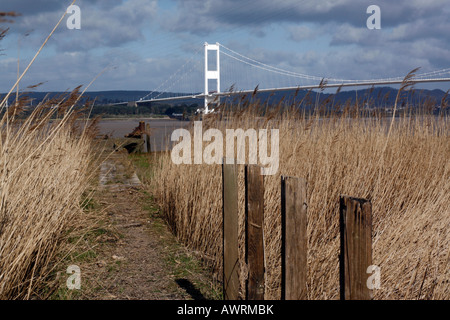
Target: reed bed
<point x="402" y="166"/>
<point x="44" y="170"/>
<point x="45" y="161"/>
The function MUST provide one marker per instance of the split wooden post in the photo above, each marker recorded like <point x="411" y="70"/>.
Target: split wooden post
<point x="294" y="238"/>
<point x="230" y="231"/>
<point x="254" y="214"/>
<point x="356" y="248"/>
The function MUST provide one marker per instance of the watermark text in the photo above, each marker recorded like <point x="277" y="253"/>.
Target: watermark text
<point x="236" y="147"/>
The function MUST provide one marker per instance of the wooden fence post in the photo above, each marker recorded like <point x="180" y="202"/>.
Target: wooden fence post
<point x="294" y="238"/>
<point x="254" y="214"/>
<point x="356" y="248"/>
<point x="230" y="231"/>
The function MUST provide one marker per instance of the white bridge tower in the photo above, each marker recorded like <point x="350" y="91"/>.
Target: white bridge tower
<point x="211" y="75"/>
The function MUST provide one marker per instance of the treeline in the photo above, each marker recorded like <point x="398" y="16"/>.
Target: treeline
<point x="145" y="109"/>
<point x="161" y="110"/>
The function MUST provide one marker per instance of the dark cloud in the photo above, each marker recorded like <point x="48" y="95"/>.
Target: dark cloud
<point x="414" y="34"/>
<point x="27" y="7"/>
<point x="205" y="16"/>
<point x="104" y="23"/>
<point x="202" y="17"/>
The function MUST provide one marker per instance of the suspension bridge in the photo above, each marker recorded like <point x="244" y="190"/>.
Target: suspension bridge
<point x="203" y="76"/>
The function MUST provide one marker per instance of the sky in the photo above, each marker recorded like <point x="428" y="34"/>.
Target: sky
<point x="140" y="44"/>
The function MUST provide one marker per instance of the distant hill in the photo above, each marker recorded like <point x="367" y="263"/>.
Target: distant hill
<point x="374" y="98"/>
<point x="101" y="97"/>
<point x="116" y="96"/>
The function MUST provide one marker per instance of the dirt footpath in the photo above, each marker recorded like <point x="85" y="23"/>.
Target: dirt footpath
<point x="140" y="259"/>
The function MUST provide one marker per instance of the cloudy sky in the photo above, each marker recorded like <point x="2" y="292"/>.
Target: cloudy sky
<point x="141" y="43"/>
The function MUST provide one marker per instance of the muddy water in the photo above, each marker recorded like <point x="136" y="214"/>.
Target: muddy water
<point x="161" y="130"/>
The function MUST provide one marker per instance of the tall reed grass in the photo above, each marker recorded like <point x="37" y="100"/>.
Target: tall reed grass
<point x="44" y="169"/>
<point x="45" y="161"/>
<point x="402" y="168"/>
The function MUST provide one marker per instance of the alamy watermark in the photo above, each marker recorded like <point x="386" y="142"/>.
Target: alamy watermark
<point x="374" y="280"/>
<point x="74" y="20"/>
<point x="213" y="153"/>
<point x="374" y="21"/>
<point x="74" y="280"/>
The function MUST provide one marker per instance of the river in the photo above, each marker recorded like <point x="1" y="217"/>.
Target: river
<point x="160" y="129"/>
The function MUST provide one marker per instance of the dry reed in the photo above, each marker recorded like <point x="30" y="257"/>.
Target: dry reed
<point x="44" y="170"/>
<point x="402" y="168"/>
<point x="44" y="167"/>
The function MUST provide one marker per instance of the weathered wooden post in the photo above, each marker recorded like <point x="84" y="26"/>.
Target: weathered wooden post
<point x="294" y="238"/>
<point x="356" y="248"/>
<point x="230" y="231"/>
<point x="254" y="213"/>
<point x="145" y="144"/>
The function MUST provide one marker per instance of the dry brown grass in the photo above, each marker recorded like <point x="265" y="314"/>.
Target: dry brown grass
<point x="406" y="175"/>
<point x="44" y="170"/>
